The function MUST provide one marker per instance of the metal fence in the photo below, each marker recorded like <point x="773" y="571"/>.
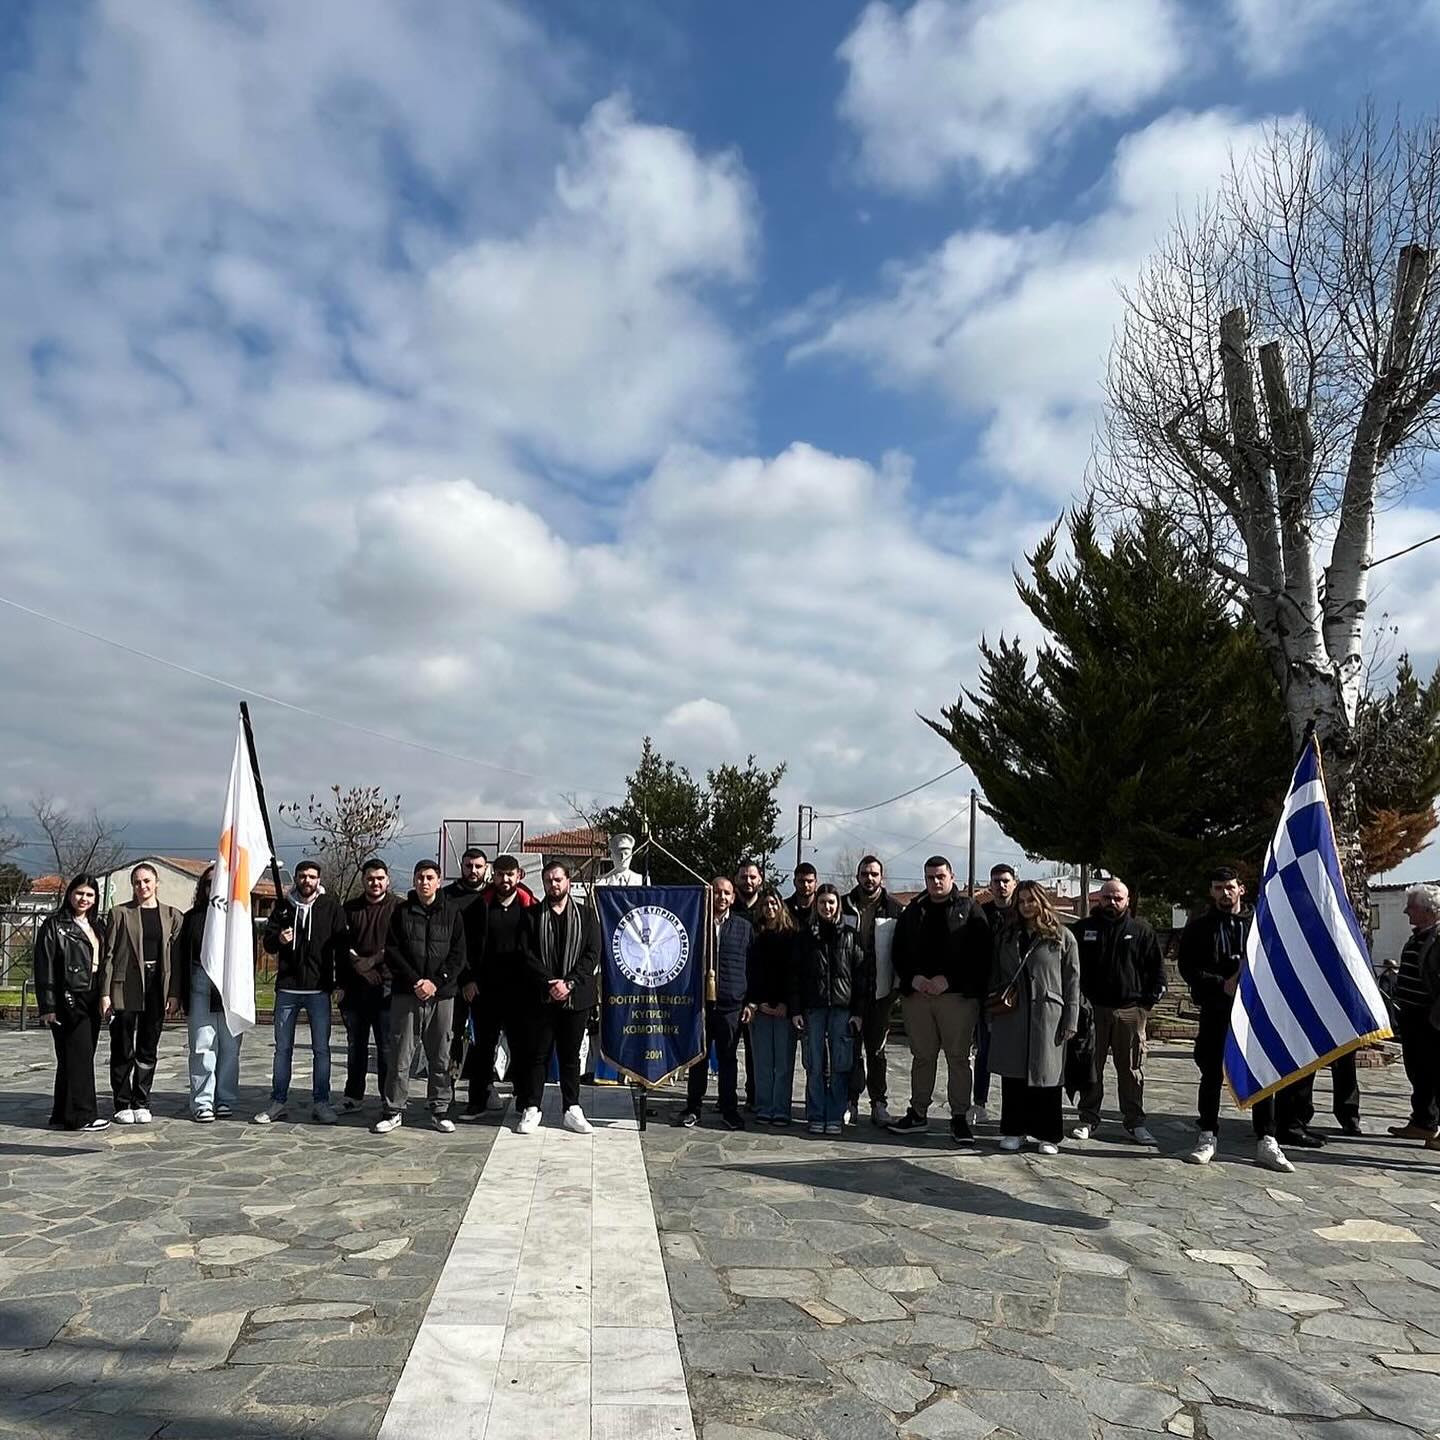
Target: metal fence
<point x="18" y="929"/>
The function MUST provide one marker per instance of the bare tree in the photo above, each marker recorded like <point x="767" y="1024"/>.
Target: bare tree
<point x="345" y="830"/>
<point x="1275" y="379"/>
<point x="87" y="844"/>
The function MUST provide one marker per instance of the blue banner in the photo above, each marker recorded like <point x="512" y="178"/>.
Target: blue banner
<point x="652" y="978"/>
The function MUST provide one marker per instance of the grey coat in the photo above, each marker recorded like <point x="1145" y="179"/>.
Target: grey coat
<point x="1026" y="1044"/>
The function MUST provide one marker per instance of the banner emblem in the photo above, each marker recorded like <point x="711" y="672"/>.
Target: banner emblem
<point x="651" y="946"/>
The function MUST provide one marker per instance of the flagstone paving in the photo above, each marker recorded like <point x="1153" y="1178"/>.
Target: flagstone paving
<point x="225" y="1280"/>
<point x="231" y="1281"/>
<point x="872" y="1288"/>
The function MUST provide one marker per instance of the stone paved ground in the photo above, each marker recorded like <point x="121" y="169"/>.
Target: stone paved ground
<point x="871" y="1287"/>
<point x="219" y="1281"/>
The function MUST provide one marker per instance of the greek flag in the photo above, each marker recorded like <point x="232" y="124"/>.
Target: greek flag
<point x="1307" y="993"/>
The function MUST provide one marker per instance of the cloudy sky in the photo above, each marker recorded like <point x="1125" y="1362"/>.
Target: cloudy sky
<point x="522" y="379"/>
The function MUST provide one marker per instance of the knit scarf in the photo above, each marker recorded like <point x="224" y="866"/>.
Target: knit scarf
<point x="573" y="937"/>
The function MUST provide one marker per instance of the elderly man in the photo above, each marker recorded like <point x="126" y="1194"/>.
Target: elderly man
<point x="1417" y="990"/>
<point x="1122" y="975"/>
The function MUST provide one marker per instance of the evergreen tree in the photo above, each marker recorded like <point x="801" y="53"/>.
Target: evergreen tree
<point x="1148" y="735"/>
<point x="1397" y="773"/>
<point x="710" y="827"/>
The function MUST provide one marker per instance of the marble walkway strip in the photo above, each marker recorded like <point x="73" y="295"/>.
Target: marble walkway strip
<point x="552" y="1316"/>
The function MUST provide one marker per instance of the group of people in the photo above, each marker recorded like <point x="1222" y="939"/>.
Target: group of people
<point x="398" y="967"/>
<point x="1005" y="988"/>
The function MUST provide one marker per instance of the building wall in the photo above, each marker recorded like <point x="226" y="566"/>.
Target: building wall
<point x="1390" y="928"/>
<point x="174" y="887"/>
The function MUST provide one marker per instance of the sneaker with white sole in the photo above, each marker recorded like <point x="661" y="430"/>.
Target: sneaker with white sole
<point x="142" y="1115"/>
<point x="529" y="1121"/>
<point x="909" y="1124"/>
<point x="1205" y="1148"/>
<point x="879" y="1113"/>
<point x="1011" y="1143"/>
<point x="98" y="1123"/>
<point x="324" y="1113"/>
<point x="223" y="1112"/>
<point x="1142" y="1136"/>
<point x="1269" y="1156"/>
<point x="1082" y="1132"/>
<point x="386" y="1123"/>
<point x="575" y="1120"/>
<point x="443" y="1123"/>
<point x="1048" y="1147"/>
<point x="125" y="1116"/>
<point x="203" y="1117"/>
<point x="274" y="1111"/>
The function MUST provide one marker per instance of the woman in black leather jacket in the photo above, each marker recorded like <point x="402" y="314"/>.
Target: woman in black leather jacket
<point x="67" y="963"/>
<point x="827" y="996"/>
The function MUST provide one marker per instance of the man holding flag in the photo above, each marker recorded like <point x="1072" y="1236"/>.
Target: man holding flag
<point x="1306" y="993"/>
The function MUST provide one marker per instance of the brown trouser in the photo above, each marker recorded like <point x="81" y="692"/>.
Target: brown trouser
<point x="934" y="1023"/>
<point x="1119" y="1034"/>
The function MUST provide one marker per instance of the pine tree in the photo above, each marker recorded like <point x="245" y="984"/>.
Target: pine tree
<point x="1147" y="735"/>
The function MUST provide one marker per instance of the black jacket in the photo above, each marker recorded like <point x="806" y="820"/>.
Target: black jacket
<point x="187" y="956"/>
<point x="957" y="946"/>
<point x="772" y="963"/>
<point x="426" y="942"/>
<point x="583" y="975"/>
<point x="829" y="969"/>
<point x="64" y="962"/>
<point x="309" y="962"/>
<point x="1212" y="946"/>
<point x="475" y="914"/>
<point x="803" y="915"/>
<point x="507" y="972"/>
<point x="1120" y="962"/>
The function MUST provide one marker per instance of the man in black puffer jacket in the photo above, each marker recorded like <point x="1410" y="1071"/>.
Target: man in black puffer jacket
<point x="942" y="960"/>
<point x="1122" y="975"/>
<point x="425" y="954"/>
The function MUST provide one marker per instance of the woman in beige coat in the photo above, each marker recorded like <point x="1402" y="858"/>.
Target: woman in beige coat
<point x="138" y="980"/>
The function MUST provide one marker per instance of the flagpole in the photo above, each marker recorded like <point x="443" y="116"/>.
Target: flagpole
<point x="264" y="808"/>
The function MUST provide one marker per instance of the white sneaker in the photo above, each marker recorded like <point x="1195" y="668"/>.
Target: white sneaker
<point x="1011" y="1143"/>
<point x="529" y="1121"/>
<point x="125" y="1117"/>
<point x="879" y="1113"/>
<point x="1269" y="1156"/>
<point x="1142" y="1136"/>
<point x="1046" y="1148"/>
<point x="979" y="1115"/>
<point x="850" y="1116"/>
<point x="575" y="1120"/>
<point x="1082" y="1132"/>
<point x="324" y="1114"/>
<point x="98" y="1123"/>
<point x="443" y="1123"/>
<point x="142" y="1115"/>
<point x="386" y="1123"/>
<point x="1204" y="1151"/>
<point x="274" y="1111"/>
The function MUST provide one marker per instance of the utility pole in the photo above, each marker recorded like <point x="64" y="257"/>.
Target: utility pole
<point x="974" y="806"/>
<point x="804" y="830"/>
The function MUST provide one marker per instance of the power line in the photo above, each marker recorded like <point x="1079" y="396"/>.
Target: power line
<point x="1395" y="555"/>
<point x="289" y="705"/>
<point x="880" y="804"/>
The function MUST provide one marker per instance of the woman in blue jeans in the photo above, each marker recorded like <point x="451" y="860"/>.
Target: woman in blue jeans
<point x="766" y="1010"/>
<point x="829" y="983"/>
<point x="214" y="1051"/>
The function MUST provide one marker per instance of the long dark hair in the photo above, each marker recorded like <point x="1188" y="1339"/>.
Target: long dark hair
<point x="79" y="882"/>
<point x="201" y="897"/>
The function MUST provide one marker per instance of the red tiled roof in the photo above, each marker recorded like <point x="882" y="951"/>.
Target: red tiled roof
<point x="584" y="841"/>
<point x="44" y="885"/>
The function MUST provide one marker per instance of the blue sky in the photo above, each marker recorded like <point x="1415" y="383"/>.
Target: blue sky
<point x="524" y="379"/>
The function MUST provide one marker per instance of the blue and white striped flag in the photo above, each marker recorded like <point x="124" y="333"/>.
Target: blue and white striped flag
<point x="1307" y="993"/>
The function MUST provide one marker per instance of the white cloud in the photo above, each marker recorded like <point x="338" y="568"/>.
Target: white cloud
<point x="1015" y="326"/>
<point x="991" y="86"/>
<point x="1272" y="39"/>
<point x="586" y="336"/>
<point x="701" y="728"/>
